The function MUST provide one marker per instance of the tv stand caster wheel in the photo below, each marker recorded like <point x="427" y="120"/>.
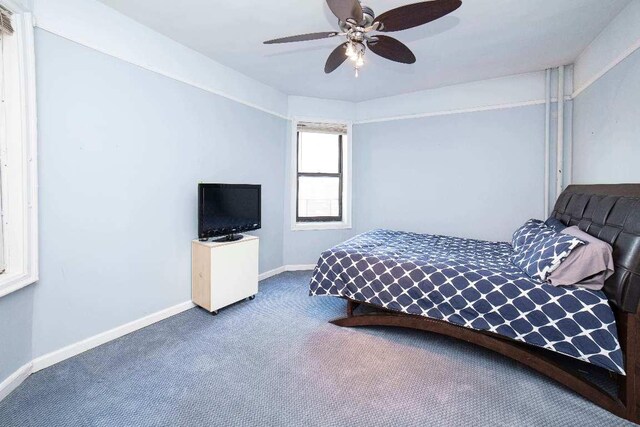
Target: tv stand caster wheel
<point x="214" y="313"/>
<point x="252" y="297"/>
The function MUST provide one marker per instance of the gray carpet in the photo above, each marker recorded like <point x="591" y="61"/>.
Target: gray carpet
<point x="275" y="361"/>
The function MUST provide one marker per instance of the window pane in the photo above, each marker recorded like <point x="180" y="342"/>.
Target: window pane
<point x="318" y="196"/>
<point x="318" y="152"/>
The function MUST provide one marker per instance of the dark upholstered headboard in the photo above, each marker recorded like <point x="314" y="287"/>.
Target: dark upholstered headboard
<point x="610" y="212"/>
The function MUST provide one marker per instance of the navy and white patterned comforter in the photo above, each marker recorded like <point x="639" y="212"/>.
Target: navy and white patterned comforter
<point x="470" y="283"/>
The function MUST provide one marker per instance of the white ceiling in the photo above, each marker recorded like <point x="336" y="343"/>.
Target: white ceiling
<point x="483" y="39"/>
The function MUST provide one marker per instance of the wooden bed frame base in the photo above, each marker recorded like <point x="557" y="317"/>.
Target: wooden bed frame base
<point x="624" y="405"/>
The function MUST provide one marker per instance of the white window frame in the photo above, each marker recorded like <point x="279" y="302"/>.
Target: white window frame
<point x="346" y="179"/>
<point x="18" y="146"/>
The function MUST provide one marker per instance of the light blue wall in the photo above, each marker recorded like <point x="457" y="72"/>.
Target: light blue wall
<point x="16" y="313"/>
<point x="477" y="175"/>
<point x="303" y="247"/>
<point x="606" y="127"/>
<point x="121" y="150"/>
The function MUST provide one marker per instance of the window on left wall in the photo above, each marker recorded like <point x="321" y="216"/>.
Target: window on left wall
<point x="18" y="168"/>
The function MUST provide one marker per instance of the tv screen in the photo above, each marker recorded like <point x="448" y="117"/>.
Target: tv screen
<point x="226" y="209"/>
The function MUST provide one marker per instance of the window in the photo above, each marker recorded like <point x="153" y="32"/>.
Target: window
<point x="6" y="31"/>
<point x="18" y="176"/>
<point x="320" y="185"/>
<point x="319" y="177"/>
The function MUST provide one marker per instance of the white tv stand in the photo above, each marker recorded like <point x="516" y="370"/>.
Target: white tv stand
<point x="224" y="272"/>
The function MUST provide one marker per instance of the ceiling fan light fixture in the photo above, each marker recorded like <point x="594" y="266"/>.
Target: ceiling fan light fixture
<point x="355" y="50"/>
<point x="351" y="51"/>
<point x="360" y="60"/>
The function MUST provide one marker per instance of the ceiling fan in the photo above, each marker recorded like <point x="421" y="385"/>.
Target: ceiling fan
<point x="357" y="22"/>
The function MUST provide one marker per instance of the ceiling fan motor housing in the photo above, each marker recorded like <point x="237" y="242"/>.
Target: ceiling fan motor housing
<point x="367" y="19"/>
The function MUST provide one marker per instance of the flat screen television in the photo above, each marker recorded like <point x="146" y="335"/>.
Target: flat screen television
<point x="228" y="209"/>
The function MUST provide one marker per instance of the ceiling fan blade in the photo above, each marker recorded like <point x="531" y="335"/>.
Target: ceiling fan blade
<point x="346" y="9"/>
<point x="303" y="37"/>
<point x="413" y="15"/>
<point x="392" y="49"/>
<point x="336" y="58"/>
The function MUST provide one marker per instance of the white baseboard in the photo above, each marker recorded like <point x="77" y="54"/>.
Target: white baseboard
<point x="291" y="267"/>
<point x="14" y="380"/>
<point x="299" y="267"/>
<point x="271" y="273"/>
<point x="54" y="357"/>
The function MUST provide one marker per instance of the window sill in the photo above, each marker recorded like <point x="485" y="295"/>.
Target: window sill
<point x="302" y="226"/>
<point x="12" y="282"/>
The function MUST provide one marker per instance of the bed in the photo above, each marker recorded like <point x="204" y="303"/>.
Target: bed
<point x="470" y="290"/>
